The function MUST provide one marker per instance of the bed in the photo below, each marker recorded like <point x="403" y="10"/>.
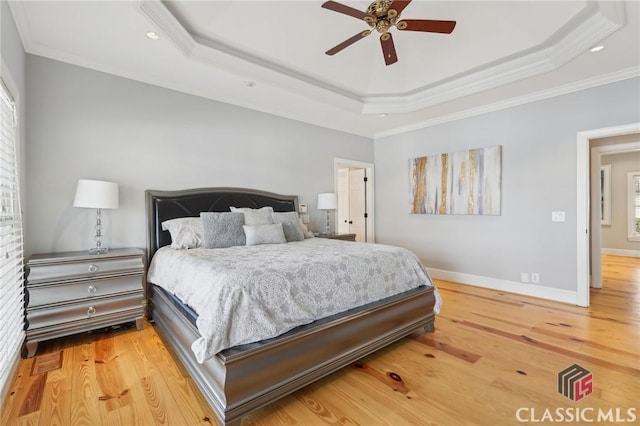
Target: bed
<point x="244" y="378"/>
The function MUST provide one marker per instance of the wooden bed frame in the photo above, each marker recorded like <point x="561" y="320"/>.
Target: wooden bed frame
<point x="245" y="378"/>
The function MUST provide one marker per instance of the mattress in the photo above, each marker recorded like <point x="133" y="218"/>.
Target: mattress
<point x="246" y="294"/>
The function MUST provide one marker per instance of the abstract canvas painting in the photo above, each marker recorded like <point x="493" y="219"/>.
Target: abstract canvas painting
<point x="463" y="182"/>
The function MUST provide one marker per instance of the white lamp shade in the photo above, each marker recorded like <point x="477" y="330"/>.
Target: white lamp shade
<point x="96" y="194"/>
<point x="327" y="201"/>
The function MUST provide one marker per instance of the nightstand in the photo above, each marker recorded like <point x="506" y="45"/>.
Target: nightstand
<point x="345" y="237"/>
<point x="72" y="292"/>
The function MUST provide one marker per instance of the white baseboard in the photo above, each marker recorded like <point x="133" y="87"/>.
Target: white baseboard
<point x="620" y="252"/>
<point x="557" y="295"/>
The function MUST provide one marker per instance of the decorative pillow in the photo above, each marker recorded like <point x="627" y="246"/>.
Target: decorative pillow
<point x="260" y="216"/>
<point x="305" y="230"/>
<point x="186" y="232"/>
<point x="290" y="222"/>
<point x="222" y="229"/>
<point x="264" y="234"/>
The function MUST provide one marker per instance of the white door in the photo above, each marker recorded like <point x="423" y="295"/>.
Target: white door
<point x="357" y="203"/>
<point x="343" y="201"/>
<point x="355" y="199"/>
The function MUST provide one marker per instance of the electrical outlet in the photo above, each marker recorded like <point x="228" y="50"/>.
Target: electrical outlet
<point x="535" y="277"/>
<point x="302" y="208"/>
<point x="524" y="277"/>
<point x="557" y="216"/>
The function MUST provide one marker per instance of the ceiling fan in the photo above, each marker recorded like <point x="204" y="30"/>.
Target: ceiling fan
<point x="381" y="15"/>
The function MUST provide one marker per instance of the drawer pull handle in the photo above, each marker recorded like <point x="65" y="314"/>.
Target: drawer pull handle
<point x="93" y="268"/>
<point x="91" y="311"/>
<point x="92" y="289"/>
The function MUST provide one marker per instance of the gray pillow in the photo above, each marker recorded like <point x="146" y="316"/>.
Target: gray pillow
<point x="186" y="232"/>
<point x="260" y="216"/>
<point x="290" y="225"/>
<point x="264" y="234"/>
<point x="222" y="229"/>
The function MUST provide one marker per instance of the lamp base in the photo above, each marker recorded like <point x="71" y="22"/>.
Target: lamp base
<point x="98" y="250"/>
<point x="327" y="228"/>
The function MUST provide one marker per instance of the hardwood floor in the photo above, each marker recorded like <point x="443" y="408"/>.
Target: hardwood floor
<point x="493" y="355"/>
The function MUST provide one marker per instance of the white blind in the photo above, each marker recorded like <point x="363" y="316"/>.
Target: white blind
<point x="11" y="248"/>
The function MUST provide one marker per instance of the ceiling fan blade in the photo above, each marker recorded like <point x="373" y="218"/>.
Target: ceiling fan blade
<point x="388" y="49"/>
<point x="341" y="8"/>
<point x="399" y="5"/>
<point x="348" y="42"/>
<point x="426" y="25"/>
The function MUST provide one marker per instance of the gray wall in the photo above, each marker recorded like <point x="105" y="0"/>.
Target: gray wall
<point x="538" y="176"/>
<point x="86" y="124"/>
<point x="614" y="236"/>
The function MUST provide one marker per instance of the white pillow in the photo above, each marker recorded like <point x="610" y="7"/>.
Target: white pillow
<point x="264" y="234"/>
<point x="260" y="216"/>
<point x="186" y="232"/>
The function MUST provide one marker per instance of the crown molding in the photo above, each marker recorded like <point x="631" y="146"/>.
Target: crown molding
<point x="236" y="60"/>
<point x="549" y="56"/>
<point x="595" y="23"/>
<point x="628" y="73"/>
<point x="158" y="13"/>
<point x="22" y="23"/>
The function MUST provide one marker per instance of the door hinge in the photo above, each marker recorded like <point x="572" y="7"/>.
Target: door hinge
<point x="366" y="179"/>
<point x="366" y="215"/>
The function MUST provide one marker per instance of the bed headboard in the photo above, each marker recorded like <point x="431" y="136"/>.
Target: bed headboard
<point x="165" y="205"/>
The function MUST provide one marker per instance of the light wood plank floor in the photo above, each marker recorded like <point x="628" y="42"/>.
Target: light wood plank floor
<point x="492" y="353"/>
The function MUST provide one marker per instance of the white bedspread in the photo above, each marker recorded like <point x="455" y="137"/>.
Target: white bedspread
<point x="249" y="293"/>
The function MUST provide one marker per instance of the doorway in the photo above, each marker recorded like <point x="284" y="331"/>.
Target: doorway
<point x="588" y="209"/>
<point x="354" y="189"/>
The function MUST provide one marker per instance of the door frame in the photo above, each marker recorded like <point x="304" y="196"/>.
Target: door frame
<point x="340" y="163"/>
<point x="583" y="228"/>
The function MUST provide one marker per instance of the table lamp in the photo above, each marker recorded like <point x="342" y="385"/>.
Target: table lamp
<point x="97" y="195"/>
<point x="327" y="201"/>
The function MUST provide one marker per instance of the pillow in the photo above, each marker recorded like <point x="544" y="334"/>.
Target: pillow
<point x="255" y="216"/>
<point x="305" y="230"/>
<point x="186" y="232"/>
<point x="264" y="234"/>
<point x="290" y="222"/>
<point x="222" y="229"/>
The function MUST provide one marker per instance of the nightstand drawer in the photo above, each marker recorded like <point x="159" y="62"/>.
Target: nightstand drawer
<point x="85" y="310"/>
<point x="68" y="270"/>
<point x="86" y="289"/>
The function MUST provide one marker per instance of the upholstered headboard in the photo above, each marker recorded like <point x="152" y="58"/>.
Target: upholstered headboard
<point x="165" y="205"/>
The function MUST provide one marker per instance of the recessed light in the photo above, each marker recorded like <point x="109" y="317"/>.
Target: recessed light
<point x="382" y="115"/>
<point x="250" y="83"/>
<point x="596" y="49"/>
<point x="153" y="35"/>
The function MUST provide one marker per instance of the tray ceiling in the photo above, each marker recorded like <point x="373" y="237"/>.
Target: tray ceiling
<point x="269" y="55"/>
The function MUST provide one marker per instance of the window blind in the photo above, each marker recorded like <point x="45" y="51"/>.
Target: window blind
<point x="11" y="242"/>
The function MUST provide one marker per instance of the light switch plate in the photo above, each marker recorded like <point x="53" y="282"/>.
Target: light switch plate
<point x="302" y="208"/>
